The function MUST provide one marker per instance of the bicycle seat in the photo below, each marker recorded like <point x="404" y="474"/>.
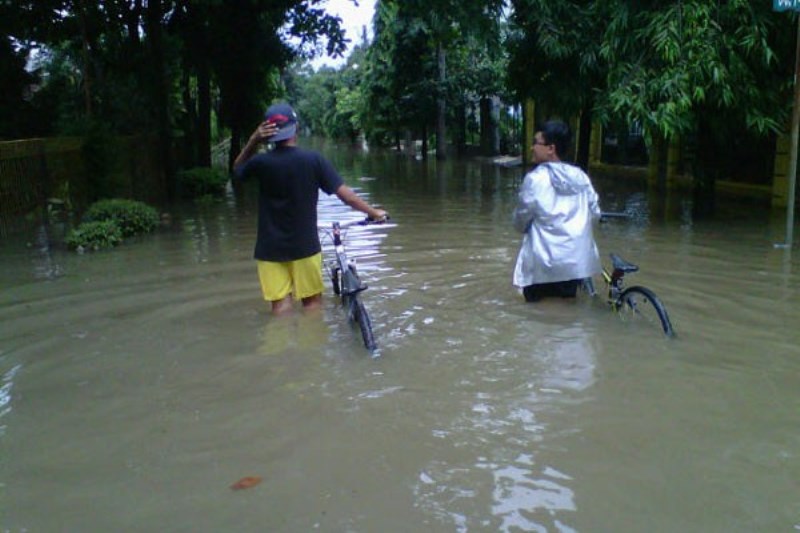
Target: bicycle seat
<point x="622" y="265"/>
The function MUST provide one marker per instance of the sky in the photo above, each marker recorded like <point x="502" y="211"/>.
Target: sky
<point x="353" y="19"/>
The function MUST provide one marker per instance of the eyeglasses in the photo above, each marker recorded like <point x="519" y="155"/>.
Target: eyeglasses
<point x="540" y="143"/>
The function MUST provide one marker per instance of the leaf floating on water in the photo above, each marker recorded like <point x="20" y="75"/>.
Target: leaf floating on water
<point x="246" y="483"/>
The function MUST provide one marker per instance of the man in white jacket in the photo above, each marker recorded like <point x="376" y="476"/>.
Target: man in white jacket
<point x="557" y="205"/>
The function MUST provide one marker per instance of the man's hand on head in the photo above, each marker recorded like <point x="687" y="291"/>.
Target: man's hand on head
<point x="264" y="131"/>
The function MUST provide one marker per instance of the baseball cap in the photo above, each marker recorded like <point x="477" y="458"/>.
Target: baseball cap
<point x="286" y="119"/>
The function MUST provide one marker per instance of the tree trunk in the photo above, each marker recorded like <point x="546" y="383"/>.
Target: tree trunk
<point x="233" y="153"/>
<point x="159" y="92"/>
<point x="189" y="123"/>
<point x="441" y="105"/>
<point x="704" y="170"/>
<point x="490" y="132"/>
<point x="236" y="147"/>
<point x="86" y="56"/>
<point x="204" y="114"/>
<point x="460" y="135"/>
<point x="494" y="131"/>
<point x="662" y="147"/>
<point x="485" y="112"/>
<point x="584" y="137"/>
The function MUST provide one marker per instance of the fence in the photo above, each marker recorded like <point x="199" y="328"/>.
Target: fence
<point x="35" y="171"/>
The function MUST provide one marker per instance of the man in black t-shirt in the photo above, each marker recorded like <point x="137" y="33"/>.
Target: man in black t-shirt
<point x="287" y="248"/>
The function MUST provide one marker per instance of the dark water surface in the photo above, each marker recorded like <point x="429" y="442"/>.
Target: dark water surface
<point x="136" y="385"/>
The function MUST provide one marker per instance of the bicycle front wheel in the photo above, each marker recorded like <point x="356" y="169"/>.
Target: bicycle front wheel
<point x="361" y="318"/>
<point x="640" y="303"/>
<point x="337" y="287"/>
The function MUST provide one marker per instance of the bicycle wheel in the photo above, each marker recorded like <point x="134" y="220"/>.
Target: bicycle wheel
<point x="640" y="303"/>
<point x="337" y="290"/>
<point x="361" y="317"/>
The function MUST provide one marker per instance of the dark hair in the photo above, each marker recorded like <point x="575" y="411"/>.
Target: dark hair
<point x="558" y="133"/>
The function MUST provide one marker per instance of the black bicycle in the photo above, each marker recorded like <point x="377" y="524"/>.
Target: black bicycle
<point x="347" y="284"/>
<point x="633" y="303"/>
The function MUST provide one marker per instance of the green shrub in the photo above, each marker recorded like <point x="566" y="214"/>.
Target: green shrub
<point x="201" y="181"/>
<point x="95" y="236"/>
<point x="132" y="217"/>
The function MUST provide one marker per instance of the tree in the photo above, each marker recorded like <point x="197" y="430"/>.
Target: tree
<point x="554" y="59"/>
<point x="397" y="82"/>
<point x="700" y="69"/>
<point x="697" y="69"/>
<point x="330" y="102"/>
<point x="478" y="67"/>
<point x="408" y="80"/>
<point x="148" y="66"/>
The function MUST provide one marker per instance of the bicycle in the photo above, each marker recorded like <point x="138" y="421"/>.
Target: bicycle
<point x="636" y="302"/>
<point x="347" y="284"/>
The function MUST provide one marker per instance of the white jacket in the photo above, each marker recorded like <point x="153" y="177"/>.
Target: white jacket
<point x="557" y="205"/>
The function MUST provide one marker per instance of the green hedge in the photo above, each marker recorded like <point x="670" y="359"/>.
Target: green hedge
<point x="132" y="217"/>
<point x="95" y="236"/>
<point x="201" y="181"/>
<point x="107" y="222"/>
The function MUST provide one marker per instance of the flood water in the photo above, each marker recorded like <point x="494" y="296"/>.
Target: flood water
<point x="137" y="385"/>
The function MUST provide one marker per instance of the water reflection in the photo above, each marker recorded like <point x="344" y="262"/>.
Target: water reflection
<point x="299" y="332"/>
<point x="511" y="430"/>
<point x="570" y="359"/>
<point x="5" y="393"/>
<point x="520" y="495"/>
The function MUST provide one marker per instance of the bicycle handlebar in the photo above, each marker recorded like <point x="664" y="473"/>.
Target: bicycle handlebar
<point x="361" y="222"/>
<point x="606" y="214"/>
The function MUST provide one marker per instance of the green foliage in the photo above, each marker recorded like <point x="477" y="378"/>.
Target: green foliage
<point x="132" y="217"/>
<point x="330" y="101"/>
<point x="703" y="71"/>
<point x="107" y="222"/>
<point x="107" y="68"/>
<point x="202" y="181"/>
<point x="429" y="60"/>
<point x="251" y="44"/>
<point x="674" y="65"/>
<point x="94" y="236"/>
<point x="153" y="67"/>
<point x="99" y="152"/>
<point x="553" y="52"/>
<point x="314" y="95"/>
<point x="398" y="85"/>
<point x="348" y="109"/>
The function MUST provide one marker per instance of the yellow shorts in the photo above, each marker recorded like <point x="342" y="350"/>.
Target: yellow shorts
<point x="302" y="278"/>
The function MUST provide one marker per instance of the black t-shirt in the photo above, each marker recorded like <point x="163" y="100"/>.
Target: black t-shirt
<point x="289" y="182"/>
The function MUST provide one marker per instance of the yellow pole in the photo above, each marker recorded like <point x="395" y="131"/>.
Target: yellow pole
<point x="793" y="146"/>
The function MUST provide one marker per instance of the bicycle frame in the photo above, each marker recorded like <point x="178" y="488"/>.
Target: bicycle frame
<point x="343" y="268"/>
<point x="614" y="279"/>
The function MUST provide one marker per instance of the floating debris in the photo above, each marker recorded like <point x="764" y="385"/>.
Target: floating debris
<point x="246" y="483"/>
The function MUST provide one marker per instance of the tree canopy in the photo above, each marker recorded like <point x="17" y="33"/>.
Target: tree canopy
<point x="159" y="66"/>
<point x="698" y="69"/>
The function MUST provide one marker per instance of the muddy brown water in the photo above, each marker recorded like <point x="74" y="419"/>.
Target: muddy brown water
<point x="137" y="385"/>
